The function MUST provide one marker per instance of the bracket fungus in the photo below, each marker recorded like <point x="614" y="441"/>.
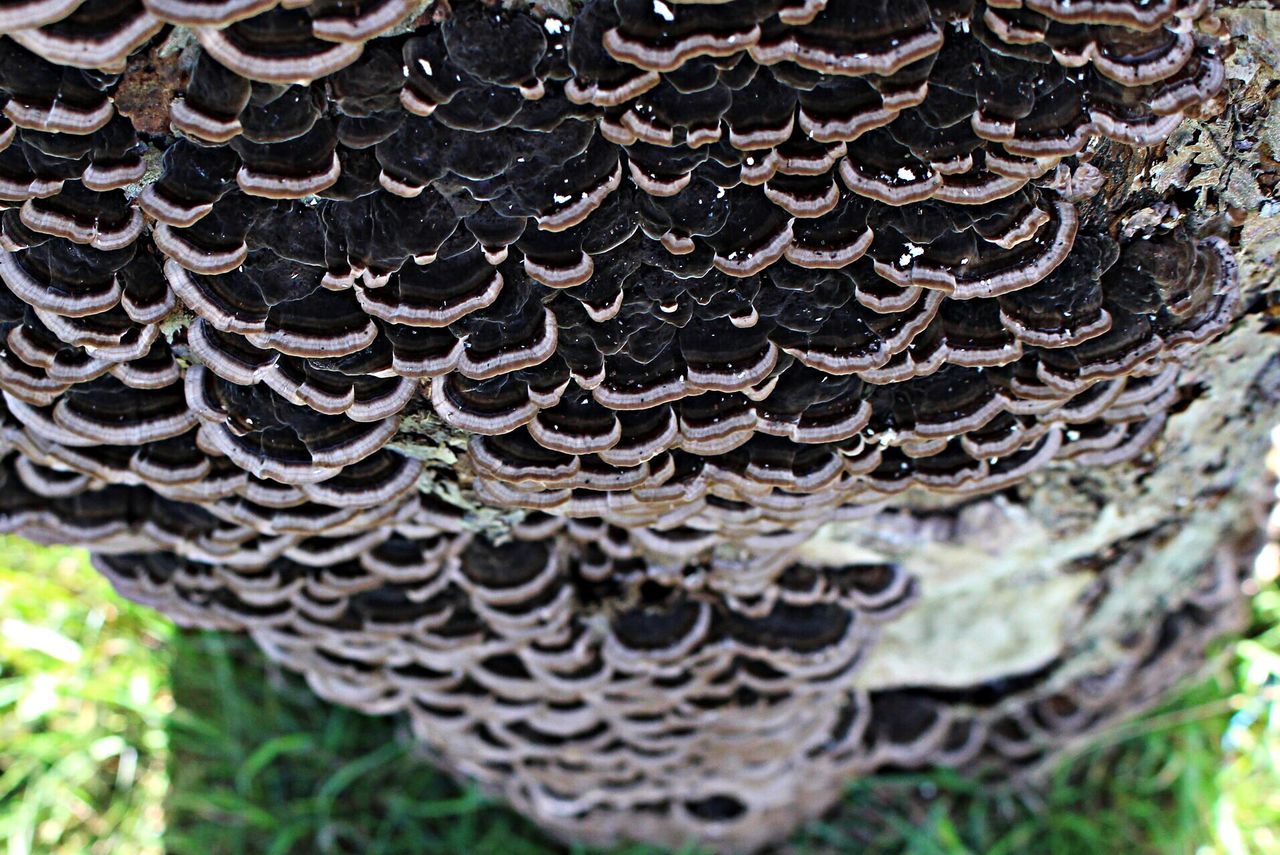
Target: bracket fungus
<point x="509" y="369"/>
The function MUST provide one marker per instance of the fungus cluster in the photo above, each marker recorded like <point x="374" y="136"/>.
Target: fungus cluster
<point x="685" y="281"/>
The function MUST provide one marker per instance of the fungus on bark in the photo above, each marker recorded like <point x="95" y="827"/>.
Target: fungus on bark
<point x="674" y="284"/>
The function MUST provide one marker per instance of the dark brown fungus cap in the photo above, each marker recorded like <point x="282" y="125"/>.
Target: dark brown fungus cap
<point x="295" y="168"/>
<point x="356" y="23"/>
<point x="210" y="106"/>
<point x="99" y="34"/>
<point x="663" y="37"/>
<point x="1123" y="13"/>
<point x="43" y="96"/>
<point x="17" y="14"/>
<point x="496" y="48"/>
<point x="853" y="38"/>
<point x="194" y="179"/>
<point x="207" y="12"/>
<point x="277" y="46"/>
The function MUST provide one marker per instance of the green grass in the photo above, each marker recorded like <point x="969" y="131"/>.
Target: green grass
<point x="261" y="765"/>
<point x="84" y="707"/>
<point x="120" y="734"/>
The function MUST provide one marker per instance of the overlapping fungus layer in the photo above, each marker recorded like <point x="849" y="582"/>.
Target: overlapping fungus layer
<point x="679" y="276"/>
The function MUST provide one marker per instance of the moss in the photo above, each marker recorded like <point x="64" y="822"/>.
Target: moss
<point x="447" y="474"/>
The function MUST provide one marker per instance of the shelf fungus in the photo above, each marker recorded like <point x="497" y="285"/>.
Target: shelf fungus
<point x="504" y="370"/>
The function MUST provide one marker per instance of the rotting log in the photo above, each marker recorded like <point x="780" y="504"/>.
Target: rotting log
<point x="260" y="277"/>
